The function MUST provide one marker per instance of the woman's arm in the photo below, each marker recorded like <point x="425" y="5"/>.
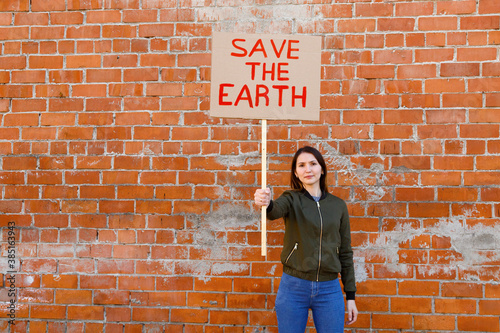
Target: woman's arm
<point x="352" y="311"/>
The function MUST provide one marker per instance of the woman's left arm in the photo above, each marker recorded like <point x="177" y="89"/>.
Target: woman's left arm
<point x="352" y="311"/>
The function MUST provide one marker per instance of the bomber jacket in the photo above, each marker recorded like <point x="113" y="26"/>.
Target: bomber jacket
<point x="317" y="243"/>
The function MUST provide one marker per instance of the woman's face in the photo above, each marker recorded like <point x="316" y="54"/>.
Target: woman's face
<point x="308" y="170"/>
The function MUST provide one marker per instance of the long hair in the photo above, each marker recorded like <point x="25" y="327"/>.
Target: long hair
<point x="295" y="182"/>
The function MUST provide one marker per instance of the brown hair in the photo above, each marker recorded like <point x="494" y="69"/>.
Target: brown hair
<point x="295" y="182"/>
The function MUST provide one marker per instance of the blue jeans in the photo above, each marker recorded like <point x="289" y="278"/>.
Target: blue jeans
<point x="296" y="296"/>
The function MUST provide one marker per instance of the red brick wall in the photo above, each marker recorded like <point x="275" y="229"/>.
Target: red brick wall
<point x="132" y="206"/>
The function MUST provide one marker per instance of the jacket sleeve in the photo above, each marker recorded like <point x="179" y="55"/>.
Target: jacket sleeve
<point x="279" y="207"/>
<point x="346" y="256"/>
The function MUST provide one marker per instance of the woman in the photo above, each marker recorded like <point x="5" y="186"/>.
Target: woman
<point x="316" y="248"/>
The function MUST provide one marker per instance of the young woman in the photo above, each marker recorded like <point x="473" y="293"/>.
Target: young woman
<point x="316" y="248"/>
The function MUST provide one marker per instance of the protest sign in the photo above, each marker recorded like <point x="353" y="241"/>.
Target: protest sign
<point x="257" y="76"/>
<point x="265" y="76"/>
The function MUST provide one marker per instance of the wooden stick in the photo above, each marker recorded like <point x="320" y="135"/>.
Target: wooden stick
<point x="263" y="186"/>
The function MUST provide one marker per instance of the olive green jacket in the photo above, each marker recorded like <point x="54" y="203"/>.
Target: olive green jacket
<point x="317" y="244"/>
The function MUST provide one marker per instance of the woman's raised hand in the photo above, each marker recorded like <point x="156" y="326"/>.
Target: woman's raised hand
<point x="262" y="197"/>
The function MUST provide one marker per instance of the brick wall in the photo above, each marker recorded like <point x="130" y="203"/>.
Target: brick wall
<point x="132" y="206"/>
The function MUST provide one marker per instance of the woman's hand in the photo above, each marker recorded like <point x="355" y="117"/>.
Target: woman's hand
<point x="262" y="197"/>
<point x="352" y="312"/>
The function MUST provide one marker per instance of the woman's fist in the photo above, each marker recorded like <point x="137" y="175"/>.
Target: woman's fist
<point x="262" y="197"/>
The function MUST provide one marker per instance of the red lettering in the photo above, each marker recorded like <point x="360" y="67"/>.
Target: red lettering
<point x="222" y="94"/>
<point x="258" y="47"/>
<point x="282" y="71"/>
<point x="239" y="48"/>
<point x="302" y="97"/>
<point x="290" y="49"/>
<point x="259" y="94"/>
<point x="280" y="93"/>
<point x="264" y="72"/>
<point x="278" y="53"/>
<point x="247" y="96"/>
<point x="253" y="64"/>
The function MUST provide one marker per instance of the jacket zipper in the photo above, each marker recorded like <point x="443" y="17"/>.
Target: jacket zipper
<point x="293" y="250"/>
<point x="320" y="239"/>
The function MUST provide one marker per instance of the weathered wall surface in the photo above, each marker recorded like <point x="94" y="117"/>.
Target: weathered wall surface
<point x="131" y="206"/>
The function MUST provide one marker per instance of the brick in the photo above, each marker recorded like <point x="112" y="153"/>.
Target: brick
<point x="85" y="312"/>
<point x="476" y="323"/>
<point x="104" y="16"/>
<point x="391" y="321"/>
<point x="118" y="31"/>
<point x="416" y="71"/>
<point x="121" y="4"/>
<point x="85" y="61"/>
<point x="148" y="314"/>
<point x="462" y="100"/>
<point x="156" y="30"/>
<point x="492" y="100"/>
<point x="66" y="18"/>
<point x="13" y="62"/>
<point x="491" y="84"/>
<point x="484" y="115"/>
<point x="434" y="55"/>
<point x="454" y="162"/>
<point x="14" y="33"/>
<point x="430" y="322"/>
<point x="14" y="6"/>
<point x="124" y="60"/>
<point x="230" y="317"/>
<point x="479" y="131"/>
<point x="488" y="7"/>
<point x="192" y="60"/>
<point x="189" y="316"/>
<point x="48" y="311"/>
<point x="134" y="16"/>
<point x="476" y="54"/>
<point x="360" y="86"/>
<point x="142" y="74"/>
<point x="375" y="71"/>
<point x="395" y="24"/>
<point x="414" y="194"/>
<point x="406" y="86"/>
<point x="73" y="296"/>
<point x="206" y="300"/>
<point x="412" y="305"/>
<point x="28" y="77"/>
<point x="421" y="288"/>
<point x="356" y="25"/>
<point x="438" y="23"/>
<point x="459" y="69"/>
<point x="164" y="89"/>
<point x="377" y="287"/>
<point x="47" y="32"/>
<point x="461" y="290"/>
<point x="489" y="307"/>
<point x="454" y="194"/>
<point x="414" y="9"/>
<point x="446" y="85"/>
<point x="15" y="91"/>
<point x="463" y="306"/>
<point x="373" y="9"/>
<point x="479" y="22"/>
<point x="45" y="62"/>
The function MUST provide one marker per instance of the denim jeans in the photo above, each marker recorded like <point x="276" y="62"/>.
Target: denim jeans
<point x="296" y="296"/>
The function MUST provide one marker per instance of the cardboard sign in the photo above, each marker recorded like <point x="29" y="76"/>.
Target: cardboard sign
<point x="265" y="76"/>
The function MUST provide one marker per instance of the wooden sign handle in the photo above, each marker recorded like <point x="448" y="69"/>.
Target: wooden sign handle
<point x="263" y="186"/>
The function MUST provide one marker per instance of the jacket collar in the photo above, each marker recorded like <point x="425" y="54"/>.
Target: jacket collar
<point x="323" y="195"/>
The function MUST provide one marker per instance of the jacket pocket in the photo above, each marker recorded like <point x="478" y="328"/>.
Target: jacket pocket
<point x="291" y="252"/>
